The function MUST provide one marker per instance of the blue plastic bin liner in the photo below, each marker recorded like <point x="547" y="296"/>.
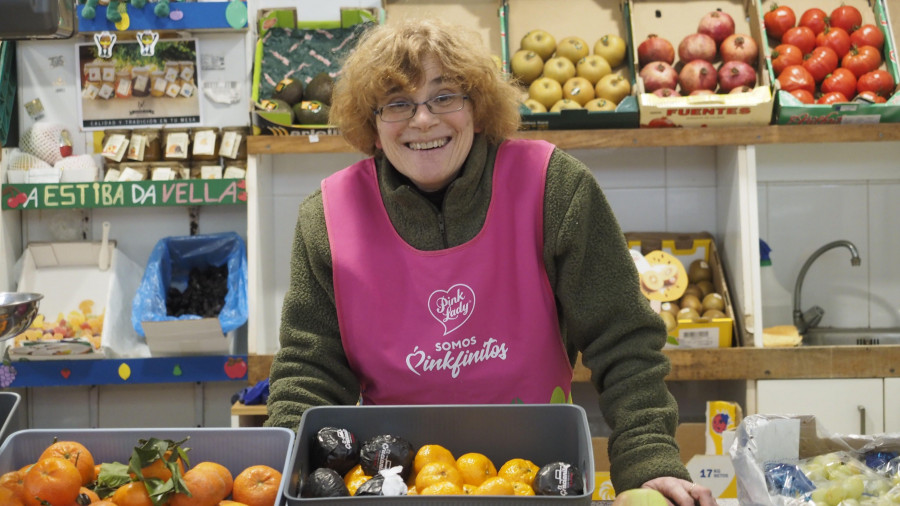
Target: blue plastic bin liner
<point x="170" y="264"/>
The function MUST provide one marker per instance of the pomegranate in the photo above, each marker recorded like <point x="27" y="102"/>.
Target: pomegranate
<point x="697" y="46"/>
<point x="658" y="74"/>
<point x="740" y="89"/>
<point x="655" y="48"/>
<point x="666" y="92"/>
<point x="734" y="74"/>
<point x="716" y="24"/>
<point x="739" y="47"/>
<point x="697" y="75"/>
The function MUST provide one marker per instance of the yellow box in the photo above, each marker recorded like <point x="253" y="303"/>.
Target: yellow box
<point x="687" y="247"/>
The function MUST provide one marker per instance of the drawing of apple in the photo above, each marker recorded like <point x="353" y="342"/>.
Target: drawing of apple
<point x="235" y="367"/>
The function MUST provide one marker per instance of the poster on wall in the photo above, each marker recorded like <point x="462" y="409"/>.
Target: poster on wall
<point x="125" y="85"/>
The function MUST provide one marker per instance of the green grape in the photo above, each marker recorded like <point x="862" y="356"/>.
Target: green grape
<point x="834" y="494"/>
<point x="850" y="502"/>
<point x="854" y="486"/>
<point x="838" y="473"/>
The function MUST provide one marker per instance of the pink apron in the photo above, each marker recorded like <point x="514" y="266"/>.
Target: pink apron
<point x="472" y="324"/>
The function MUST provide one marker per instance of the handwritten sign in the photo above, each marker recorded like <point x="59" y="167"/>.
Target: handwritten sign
<point x="189" y="192"/>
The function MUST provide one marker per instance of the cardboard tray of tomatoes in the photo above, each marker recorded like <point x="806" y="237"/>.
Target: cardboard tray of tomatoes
<point x="543" y="433"/>
<point x="235" y="449"/>
<point x="869" y="75"/>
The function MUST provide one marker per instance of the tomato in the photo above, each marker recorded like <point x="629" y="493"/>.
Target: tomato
<point x="835" y="38"/>
<point x="867" y="35"/>
<point x="861" y="59"/>
<point x="847" y="17"/>
<point x="841" y="80"/>
<point x="833" y="97"/>
<point x="870" y="96"/>
<point x="804" y="96"/>
<point x="820" y="62"/>
<point x="796" y="77"/>
<point x="785" y="55"/>
<point x="800" y="36"/>
<point x="816" y="19"/>
<point x="778" y="20"/>
<point x="878" y="81"/>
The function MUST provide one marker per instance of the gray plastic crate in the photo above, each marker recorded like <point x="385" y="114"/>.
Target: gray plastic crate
<point x="9" y="401"/>
<point x="542" y="433"/>
<point x="235" y="449"/>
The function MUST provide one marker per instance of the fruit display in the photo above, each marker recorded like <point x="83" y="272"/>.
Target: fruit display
<point x="825" y="54"/>
<point x="80" y="326"/>
<point x="156" y="472"/>
<point x="839" y="478"/>
<point x="713" y="59"/>
<point x="388" y="465"/>
<point x="571" y="73"/>
<point x="308" y="103"/>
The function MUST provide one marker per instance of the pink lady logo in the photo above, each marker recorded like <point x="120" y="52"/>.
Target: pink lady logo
<point x="452" y="307"/>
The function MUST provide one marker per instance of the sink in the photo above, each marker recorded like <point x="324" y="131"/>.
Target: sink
<point x="832" y="336"/>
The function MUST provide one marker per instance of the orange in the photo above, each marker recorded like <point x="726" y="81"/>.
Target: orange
<point x="356" y="481"/>
<point x="158" y="469"/>
<point x="442" y="488"/>
<point x="521" y="470"/>
<point x="14" y="481"/>
<point x="494" y="485"/>
<point x="431" y="453"/>
<point x="75" y="453"/>
<point x="520" y="488"/>
<point x="256" y="486"/>
<point x="9" y="498"/>
<point x="437" y="472"/>
<point x="468" y="489"/>
<point x="105" y="502"/>
<point x="231" y="503"/>
<point x="86" y="496"/>
<point x="206" y="487"/>
<point x="53" y="480"/>
<point x="411" y="490"/>
<point x="354" y="473"/>
<point x="475" y="468"/>
<point x="222" y="471"/>
<point x="132" y="494"/>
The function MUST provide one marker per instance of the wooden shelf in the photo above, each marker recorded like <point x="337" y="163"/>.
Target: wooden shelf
<point x="624" y="138"/>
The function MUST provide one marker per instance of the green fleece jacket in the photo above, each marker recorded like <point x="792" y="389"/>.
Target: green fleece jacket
<point x="602" y="312"/>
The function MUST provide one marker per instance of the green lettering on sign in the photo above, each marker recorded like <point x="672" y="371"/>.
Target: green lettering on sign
<point x="187" y="192"/>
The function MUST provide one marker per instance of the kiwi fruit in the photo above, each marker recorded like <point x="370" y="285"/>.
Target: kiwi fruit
<point x="694" y="290"/>
<point x="699" y="270"/>
<point x="669" y="307"/>
<point x="311" y="112"/>
<point x="713" y="313"/>
<point x="691" y="301"/>
<point x="288" y="89"/>
<point x="320" y="88"/>
<point x="669" y="320"/>
<point x="706" y="286"/>
<point x="688" y="313"/>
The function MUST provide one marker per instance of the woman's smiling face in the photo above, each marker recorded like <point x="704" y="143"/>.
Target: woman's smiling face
<point x="429" y="149"/>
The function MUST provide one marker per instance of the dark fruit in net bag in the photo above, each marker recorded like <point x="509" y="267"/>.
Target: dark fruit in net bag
<point x="336" y="449"/>
<point x="324" y="482"/>
<point x="559" y="478"/>
<point x="384" y="452"/>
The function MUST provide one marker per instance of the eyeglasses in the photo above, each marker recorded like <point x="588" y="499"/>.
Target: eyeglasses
<point x="441" y="104"/>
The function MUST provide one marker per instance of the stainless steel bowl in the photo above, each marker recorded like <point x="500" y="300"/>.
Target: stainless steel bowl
<point x="17" y="311"/>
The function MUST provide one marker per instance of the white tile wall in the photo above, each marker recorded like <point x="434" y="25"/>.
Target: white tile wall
<point x="811" y="195"/>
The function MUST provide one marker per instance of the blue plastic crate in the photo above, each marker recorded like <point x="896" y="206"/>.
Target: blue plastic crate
<point x="7" y="87"/>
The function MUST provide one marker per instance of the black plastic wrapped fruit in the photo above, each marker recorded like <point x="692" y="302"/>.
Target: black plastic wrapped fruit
<point x="335" y="448"/>
<point x="324" y="482"/>
<point x="559" y="478"/>
<point x="384" y="452"/>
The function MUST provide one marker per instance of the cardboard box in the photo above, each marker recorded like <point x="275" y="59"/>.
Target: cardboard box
<point x="67" y="274"/>
<point x="764" y="440"/>
<point x="590" y="20"/>
<point x="790" y="111"/>
<point x="236" y="449"/>
<point x="540" y="433"/>
<point x="673" y="20"/>
<point x="703" y="332"/>
<point x="188" y="337"/>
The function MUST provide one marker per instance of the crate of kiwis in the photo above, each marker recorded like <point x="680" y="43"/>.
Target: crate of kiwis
<point x="683" y="276"/>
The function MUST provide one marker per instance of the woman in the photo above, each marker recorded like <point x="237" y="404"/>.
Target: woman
<point x="457" y="267"/>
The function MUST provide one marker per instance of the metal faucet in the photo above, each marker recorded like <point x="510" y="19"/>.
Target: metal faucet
<point x="809" y="319"/>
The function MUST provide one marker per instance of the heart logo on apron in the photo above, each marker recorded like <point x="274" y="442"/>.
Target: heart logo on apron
<point x="452" y="307"/>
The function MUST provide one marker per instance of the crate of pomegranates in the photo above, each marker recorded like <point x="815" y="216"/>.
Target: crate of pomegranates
<point x="831" y="61"/>
<point x="700" y="63"/>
